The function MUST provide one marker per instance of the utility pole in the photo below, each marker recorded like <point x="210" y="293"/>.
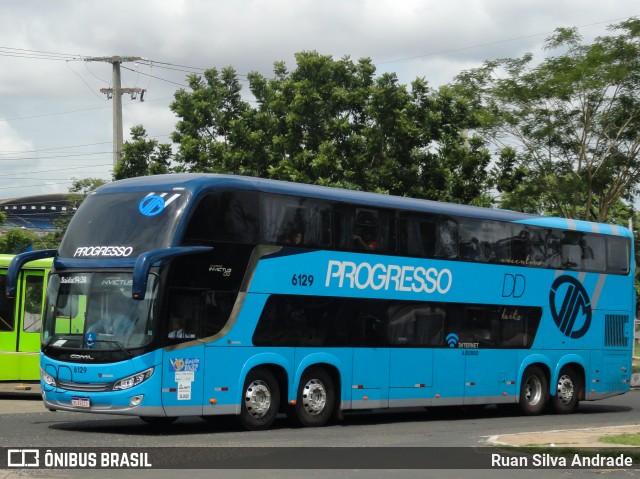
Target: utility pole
<point x="116" y="94"/>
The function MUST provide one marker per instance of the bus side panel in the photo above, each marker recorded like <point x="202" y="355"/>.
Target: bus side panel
<point x="339" y="358"/>
<point x="448" y="377"/>
<point x="227" y="369"/>
<point x="411" y="377"/>
<point x="370" y="388"/>
<point x="490" y="375"/>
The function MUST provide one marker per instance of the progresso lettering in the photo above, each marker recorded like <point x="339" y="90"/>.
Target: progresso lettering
<point x="388" y="277"/>
<point x="120" y="251"/>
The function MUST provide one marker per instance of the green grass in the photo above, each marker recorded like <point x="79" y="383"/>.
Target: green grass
<point x="626" y="439"/>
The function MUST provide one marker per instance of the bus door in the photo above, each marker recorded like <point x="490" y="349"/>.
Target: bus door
<point x="182" y="381"/>
<point x="8" y="333"/>
<point x="370" y="380"/>
<point x="29" y="324"/>
<point x="183" y="365"/>
<point x="20" y="326"/>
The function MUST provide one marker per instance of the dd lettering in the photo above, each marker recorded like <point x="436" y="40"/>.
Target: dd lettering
<point x="513" y="286"/>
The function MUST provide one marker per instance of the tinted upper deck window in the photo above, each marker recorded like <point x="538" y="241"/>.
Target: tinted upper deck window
<point x="123" y="224"/>
<point x="228" y="216"/>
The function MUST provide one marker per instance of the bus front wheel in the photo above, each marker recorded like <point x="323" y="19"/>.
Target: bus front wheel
<point x="316" y="398"/>
<point x="567" y="394"/>
<point x="260" y="400"/>
<point x="534" y="391"/>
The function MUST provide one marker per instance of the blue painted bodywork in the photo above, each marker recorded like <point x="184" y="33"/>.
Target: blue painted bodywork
<point x="207" y="377"/>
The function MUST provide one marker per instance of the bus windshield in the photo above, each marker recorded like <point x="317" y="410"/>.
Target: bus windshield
<point x="120" y="225"/>
<point x="96" y="311"/>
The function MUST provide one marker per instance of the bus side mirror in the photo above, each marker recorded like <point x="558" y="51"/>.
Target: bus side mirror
<point x="149" y="258"/>
<point x="18" y="262"/>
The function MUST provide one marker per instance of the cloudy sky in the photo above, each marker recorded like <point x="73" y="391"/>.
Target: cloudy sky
<point x="55" y="124"/>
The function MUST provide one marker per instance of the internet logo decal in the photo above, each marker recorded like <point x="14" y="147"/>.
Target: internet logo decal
<point x="570" y="306"/>
<point x="152" y="204"/>
<point x="452" y="340"/>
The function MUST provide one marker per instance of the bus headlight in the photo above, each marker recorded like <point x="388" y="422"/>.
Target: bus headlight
<point x="131" y="381"/>
<point x="47" y="378"/>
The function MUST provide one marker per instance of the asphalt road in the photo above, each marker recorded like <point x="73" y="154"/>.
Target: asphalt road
<point x="25" y="423"/>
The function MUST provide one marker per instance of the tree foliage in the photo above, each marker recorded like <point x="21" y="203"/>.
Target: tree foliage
<point x="333" y="123"/>
<point x="17" y="240"/>
<point x="568" y="128"/>
<point x="142" y="156"/>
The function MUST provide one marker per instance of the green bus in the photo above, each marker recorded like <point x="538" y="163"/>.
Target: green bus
<point x="20" y="327"/>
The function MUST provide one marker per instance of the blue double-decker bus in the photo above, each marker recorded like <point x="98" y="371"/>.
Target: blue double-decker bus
<point x="205" y="295"/>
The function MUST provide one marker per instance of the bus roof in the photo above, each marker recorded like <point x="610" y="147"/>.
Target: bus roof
<point x="199" y="183"/>
<point x="5" y="259"/>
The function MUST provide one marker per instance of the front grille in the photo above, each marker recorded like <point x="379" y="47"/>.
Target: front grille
<point x="84" y="387"/>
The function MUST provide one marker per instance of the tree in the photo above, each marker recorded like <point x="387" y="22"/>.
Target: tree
<point x="17" y="240"/>
<point x="333" y="123"/>
<point x="568" y="129"/>
<point x="142" y="156"/>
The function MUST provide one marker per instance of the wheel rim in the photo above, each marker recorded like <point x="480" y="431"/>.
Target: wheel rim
<point x="565" y="390"/>
<point x="257" y="399"/>
<point x="533" y="390"/>
<point x="314" y="397"/>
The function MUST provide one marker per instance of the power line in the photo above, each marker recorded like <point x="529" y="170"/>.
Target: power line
<point x="56" y="156"/>
<point x="40" y="184"/>
<point x="156" y="77"/>
<point x="31" y="172"/>
<point x="73" y="111"/>
<point x="497" y="42"/>
<point x="16" y="152"/>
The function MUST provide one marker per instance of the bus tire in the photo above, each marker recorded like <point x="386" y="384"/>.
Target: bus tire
<point x="568" y="388"/>
<point x="316" y="398"/>
<point x="260" y="400"/>
<point x="534" y="391"/>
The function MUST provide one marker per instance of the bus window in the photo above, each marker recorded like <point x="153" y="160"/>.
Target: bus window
<point x="7" y="318"/>
<point x="617" y="255"/>
<point x="593" y="251"/>
<point x="446" y="236"/>
<point x="295" y="321"/>
<point x="33" y="304"/>
<point x="289" y="220"/>
<point x="419" y="236"/>
<point x="416" y="324"/>
<point x="518" y="326"/>
<point x="364" y="229"/>
<point x="367" y="322"/>
<point x="197" y="313"/>
<point x="225" y="216"/>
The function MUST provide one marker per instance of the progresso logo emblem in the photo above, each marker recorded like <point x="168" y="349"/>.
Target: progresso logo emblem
<point x="570" y="306"/>
<point x="153" y="204"/>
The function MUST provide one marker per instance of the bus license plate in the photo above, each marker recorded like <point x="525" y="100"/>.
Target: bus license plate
<point x="80" y="401"/>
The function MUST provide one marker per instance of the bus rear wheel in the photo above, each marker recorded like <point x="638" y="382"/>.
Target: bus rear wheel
<point x="260" y="400"/>
<point x="316" y="398"/>
<point x="568" y="391"/>
<point x="534" y="391"/>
